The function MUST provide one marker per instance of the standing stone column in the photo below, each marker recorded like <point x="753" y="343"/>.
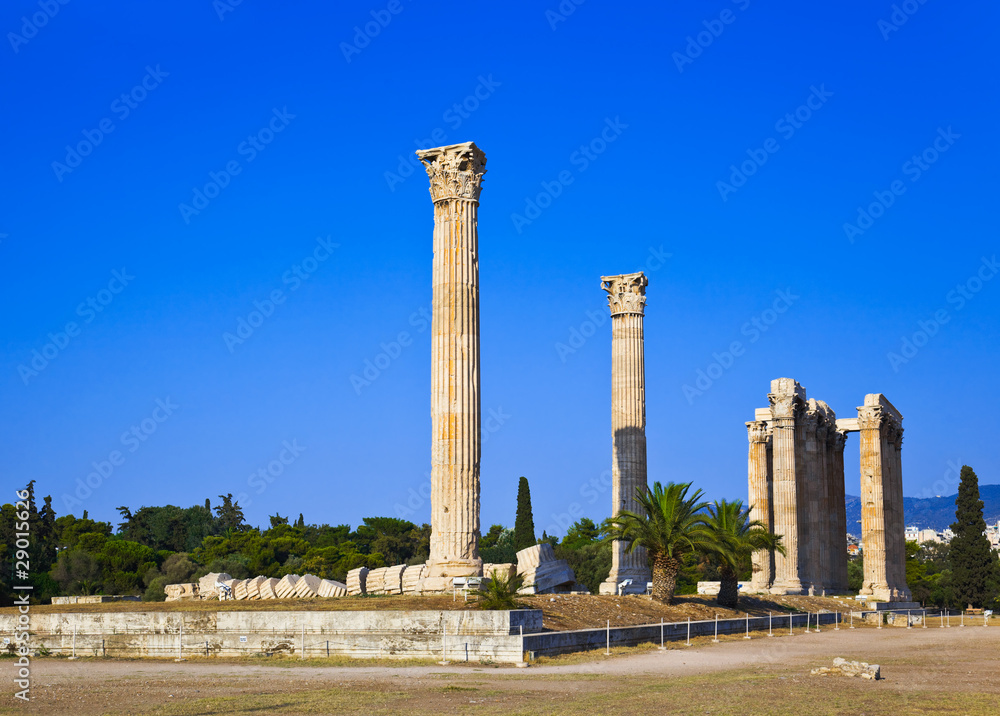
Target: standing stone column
<point x="760" y="495"/>
<point x="809" y="479"/>
<point x="786" y="400"/>
<point x="838" y="510"/>
<point x="627" y="299"/>
<point x="456" y="175"/>
<point x="882" y="501"/>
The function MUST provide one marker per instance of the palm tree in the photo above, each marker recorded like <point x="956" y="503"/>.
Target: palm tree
<point x="736" y="537"/>
<point x="502" y="591"/>
<point x="669" y="525"/>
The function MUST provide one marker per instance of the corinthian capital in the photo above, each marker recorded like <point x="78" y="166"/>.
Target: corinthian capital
<point x="758" y="431"/>
<point x="456" y="171"/>
<point x="626" y="292"/>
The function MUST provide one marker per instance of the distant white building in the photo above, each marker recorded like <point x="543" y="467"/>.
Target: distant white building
<point x="911" y="533"/>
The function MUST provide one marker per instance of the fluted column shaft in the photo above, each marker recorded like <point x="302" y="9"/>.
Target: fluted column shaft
<point x="760" y="494"/>
<point x="456" y="174"/>
<point x="786" y="495"/>
<point x="628" y="420"/>
<point x="873" y="510"/>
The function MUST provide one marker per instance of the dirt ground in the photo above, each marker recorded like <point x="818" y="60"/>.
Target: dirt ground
<point x="560" y="612"/>
<point x="926" y="671"/>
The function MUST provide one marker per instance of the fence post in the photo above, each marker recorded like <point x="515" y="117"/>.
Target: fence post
<point x="908" y="624"/>
<point x="963" y="619"/>
<point x="180" y="642"/>
<point x="852" y="617"/>
<point x="608" y="645"/>
<point x="770" y="631"/>
<point x="74" y="642"/>
<point x="716" y="639"/>
<point x="925" y="619"/>
<point x="836" y="621"/>
<point x="790" y="632"/>
<point x="303" y="647"/>
<point x="661" y="634"/>
<point x="817" y="622"/>
<point x="748" y="626"/>
<point x="808" y="617"/>
<point x="879" y="615"/>
<point x="327" y="648"/>
<point x="689" y="632"/>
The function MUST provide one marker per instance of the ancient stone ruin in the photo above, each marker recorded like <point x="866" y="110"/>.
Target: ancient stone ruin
<point x="627" y="300"/>
<point x="796" y="488"/>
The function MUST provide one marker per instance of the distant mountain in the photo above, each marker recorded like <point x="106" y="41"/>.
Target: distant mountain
<point x="936" y="513"/>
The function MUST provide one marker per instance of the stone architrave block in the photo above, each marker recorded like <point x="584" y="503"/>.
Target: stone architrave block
<point x="412" y="577"/>
<point x="253" y="587"/>
<point x="331" y="588"/>
<point x="505" y="570"/>
<point x="307" y="587"/>
<point x="357" y="581"/>
<point x="285" y="588"/>
<point x="206" y="585"/>
<point x="542" y="572"/>
<point x="393" y="579"/>
<point x="376" y="581"/>
<point x="530" y="557"/>
<point x="181" y="592"/>
<point x="267" y="588"/>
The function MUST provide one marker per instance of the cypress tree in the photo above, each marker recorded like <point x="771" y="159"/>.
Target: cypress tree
<point x="524" y="524"/>
<point x="972" y="561"/>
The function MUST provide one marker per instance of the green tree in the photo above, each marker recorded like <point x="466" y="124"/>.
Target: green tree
<point x="973" y="565"/>
<point x="669" y="525"/>
<point x="230" y="514"/>
<point x="497" y="547"/>
<point x="524" y="523"/>
<point x="735" y="538"/>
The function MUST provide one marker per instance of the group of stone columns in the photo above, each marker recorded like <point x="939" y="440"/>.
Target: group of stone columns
<point x="796" y="489"/>
<point x="456" y="173"/>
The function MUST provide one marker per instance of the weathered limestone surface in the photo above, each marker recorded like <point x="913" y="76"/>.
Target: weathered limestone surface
<point x="843" y="667"/>
<point x="787" y="400"/>
<point x="267" y="588"/>
<point x="412" y="577"/>
<point x="544" y="573"/>
<point x="357" y="580"/>
<point x="392" y="581"/>
<point x="332" y="588"/>
<point x="253" y="587"/>
<point x="882" y="526"/>
<point x="285" y="588"/>
<point x="375" y="583"/>
<point x="456" y="175"/>
<point x="240" y="590"/>
<point x="627" y="301"/>
<point x="761" y="498"/>
<point x="206" y="585"/>
<point x="307" y="587"/>
<point x="504" y="569"/>
<point x="175" y="592"/>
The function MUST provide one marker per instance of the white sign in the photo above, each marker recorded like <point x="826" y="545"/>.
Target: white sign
<point x="243" y="640"/>
<point x="6" y="641"/>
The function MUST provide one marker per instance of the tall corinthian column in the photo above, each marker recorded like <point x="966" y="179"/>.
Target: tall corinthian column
<point x="627" y="299"/>
<point x="760" y="489"/>
<point x="456" y="174"/>
<point x="787" y="406"/>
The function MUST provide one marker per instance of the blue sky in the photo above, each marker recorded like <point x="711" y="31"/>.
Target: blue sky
<point x="173" y="167"/>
